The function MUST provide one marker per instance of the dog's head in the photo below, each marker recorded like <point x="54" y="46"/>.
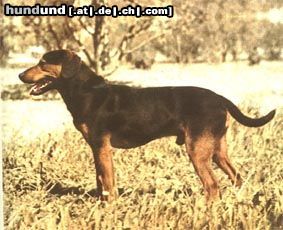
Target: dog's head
<point x="52" y="67"/>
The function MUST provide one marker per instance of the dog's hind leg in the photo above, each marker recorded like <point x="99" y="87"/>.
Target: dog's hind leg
<point x="220" y="157"/>
<point x="200" y="151"/>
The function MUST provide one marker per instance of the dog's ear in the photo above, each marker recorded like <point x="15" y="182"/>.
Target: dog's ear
<point x="71" y="65"/>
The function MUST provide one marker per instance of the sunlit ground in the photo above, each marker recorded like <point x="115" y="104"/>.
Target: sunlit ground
<point x="274" y="15"/>
<point x="44" y="156"/>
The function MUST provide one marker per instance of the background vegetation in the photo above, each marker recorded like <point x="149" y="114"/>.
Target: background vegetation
<point x="200" y="31"/>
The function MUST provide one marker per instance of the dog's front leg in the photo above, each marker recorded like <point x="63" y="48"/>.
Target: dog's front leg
<point x="104" y="168"/>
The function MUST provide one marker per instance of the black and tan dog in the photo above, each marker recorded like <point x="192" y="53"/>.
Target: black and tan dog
<point x="125" y="117"/>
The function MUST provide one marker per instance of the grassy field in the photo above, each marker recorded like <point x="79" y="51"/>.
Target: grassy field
<point x="49" y="175"/>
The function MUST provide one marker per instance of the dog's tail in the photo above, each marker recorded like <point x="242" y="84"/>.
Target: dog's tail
<point x="245" y="120"/>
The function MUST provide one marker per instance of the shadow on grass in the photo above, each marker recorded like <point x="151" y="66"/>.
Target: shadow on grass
<point x="58" y="189"/>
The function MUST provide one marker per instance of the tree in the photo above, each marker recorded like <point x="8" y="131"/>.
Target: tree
<point x="207" y="30"/>
<point x="103" y="40"/>
<point x="201" y="30"/>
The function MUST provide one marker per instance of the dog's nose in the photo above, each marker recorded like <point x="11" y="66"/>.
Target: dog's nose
<point x="21" y="76"/>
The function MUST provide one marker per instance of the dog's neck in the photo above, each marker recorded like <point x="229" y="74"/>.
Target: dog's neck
<point x="87" y="75"/>
<point x="73" y="90"/>
<point x="84" y="79"/>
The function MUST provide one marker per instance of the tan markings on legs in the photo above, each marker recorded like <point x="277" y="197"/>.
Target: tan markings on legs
<point x="83" y="128"/>
<point x="104" y="168"/>
<point x="200" y="153"/>
<point x="221" y="159"/>
<point x="228" y="120"/>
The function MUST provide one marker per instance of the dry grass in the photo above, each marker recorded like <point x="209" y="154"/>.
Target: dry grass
<point x="49" y="182"/>
<point x="49" y="175"/>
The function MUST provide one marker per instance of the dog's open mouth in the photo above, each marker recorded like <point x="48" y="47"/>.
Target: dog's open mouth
<point x="42" y="86"/>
